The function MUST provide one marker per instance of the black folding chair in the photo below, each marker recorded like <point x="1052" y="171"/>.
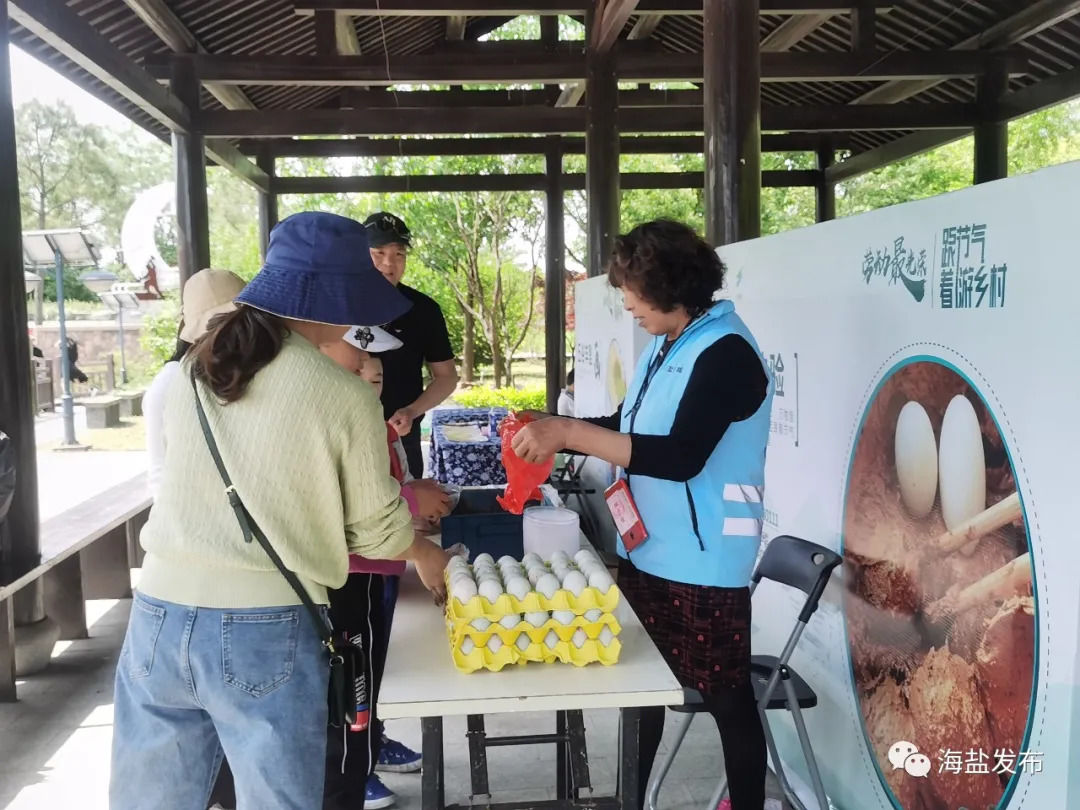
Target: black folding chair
<point x="567" y="482"/>
<point x="797" y="564"/>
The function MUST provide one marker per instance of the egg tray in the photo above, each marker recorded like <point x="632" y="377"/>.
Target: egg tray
<point x="478" y="606"/>
<point x="564" y="651"/>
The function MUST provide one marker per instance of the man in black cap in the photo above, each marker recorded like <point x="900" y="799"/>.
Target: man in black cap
<point x="422" y="330"/>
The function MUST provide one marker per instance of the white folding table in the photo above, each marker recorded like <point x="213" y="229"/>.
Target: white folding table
<point x="420" y="681"/>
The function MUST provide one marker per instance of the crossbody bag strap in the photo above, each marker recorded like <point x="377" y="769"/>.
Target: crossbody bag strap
<point x="251" y="529"/>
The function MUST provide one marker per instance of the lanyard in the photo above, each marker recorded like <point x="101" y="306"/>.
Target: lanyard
<point x="654" y="366"/>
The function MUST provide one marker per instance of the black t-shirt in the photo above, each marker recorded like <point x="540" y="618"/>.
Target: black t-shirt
<point x="423" y="331"/>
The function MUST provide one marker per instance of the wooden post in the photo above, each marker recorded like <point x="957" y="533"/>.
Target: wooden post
<point x="554" y="278"/>
<point x="732" y="101"/>
<point x="17" y="378"/>
<point x="826" y="191"/>
<point x="268" y="201"/>
<point x="991" y="133"/>
<point x="192" y="214"/>
<point x="602" y="150"/>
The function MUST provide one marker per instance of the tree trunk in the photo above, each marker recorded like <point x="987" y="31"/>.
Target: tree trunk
<point x="497" y="362"/>
<point x="468" y="345"/>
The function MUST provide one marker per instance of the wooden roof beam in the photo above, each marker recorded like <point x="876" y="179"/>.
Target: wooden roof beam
<point x="571" y="120"/>
<point x="413" y="147"/>
<point x="614" y="16"/>
<point x="160" y="19"/>
<point x="455" y="27"/>
<point x="792" y="31"/>
<point x="513" y="8"/>
<point x="66" y="32"/>
<point x="1036" y="17"/>
<point x="522" y="62"/>
<point x="901" y="149"/>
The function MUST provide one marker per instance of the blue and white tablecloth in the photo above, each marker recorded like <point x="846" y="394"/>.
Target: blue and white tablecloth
<point x="467" y="464"/>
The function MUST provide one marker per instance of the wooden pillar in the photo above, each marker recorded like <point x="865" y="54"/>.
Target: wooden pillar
<point x="991" y="133"/>
<point x="601" y="150"/>
<point x="863" y="27"/>
<point x="189" y="161"/>
<point x="22" y="550"/>
<point x="732" y="102"/>
<point x="826" y="191"/>
<point x="554" y="277"/>
<point x="268" y="201"/>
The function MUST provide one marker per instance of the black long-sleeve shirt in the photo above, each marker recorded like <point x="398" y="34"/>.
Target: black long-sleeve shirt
<point x="727" y="384"/>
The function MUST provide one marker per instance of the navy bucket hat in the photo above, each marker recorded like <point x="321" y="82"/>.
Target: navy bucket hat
<point x="318" y="268"/>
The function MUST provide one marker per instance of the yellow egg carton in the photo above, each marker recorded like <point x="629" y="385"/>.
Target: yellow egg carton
<point x="481" y="656"/>
<point x="589" y="599"/>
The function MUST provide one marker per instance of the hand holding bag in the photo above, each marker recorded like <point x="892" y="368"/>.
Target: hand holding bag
<point x="346" y="659"/>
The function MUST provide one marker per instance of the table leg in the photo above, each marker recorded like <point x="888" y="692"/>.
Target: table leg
<point x="579" y="753"/>
<point x="7" y="651"/>
<point x="561" y="789"/>
<point x="431" y="780"/>
<point x="629" y="758"/>
<point x="478" y="770"/>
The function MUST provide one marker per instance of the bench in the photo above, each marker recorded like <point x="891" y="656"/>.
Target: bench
<point x="102" y="412"/>
<point x="130" y="403"/>
<point x="87" y="552"/>
<point x="43" y="380"/>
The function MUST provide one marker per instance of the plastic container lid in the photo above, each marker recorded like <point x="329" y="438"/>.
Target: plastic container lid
<point x="552" y="515"/>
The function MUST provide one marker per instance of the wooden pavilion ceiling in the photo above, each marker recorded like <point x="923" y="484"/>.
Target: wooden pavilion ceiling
<point x="259" y="61"/>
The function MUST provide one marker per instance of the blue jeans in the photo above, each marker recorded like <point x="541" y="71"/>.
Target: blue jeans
<point x="194" y="684"/>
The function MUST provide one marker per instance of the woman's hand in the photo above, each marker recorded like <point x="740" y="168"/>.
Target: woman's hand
<point x="538" y="441"/>
<point x="431" y="561"/>
<point x="432" y="503"/>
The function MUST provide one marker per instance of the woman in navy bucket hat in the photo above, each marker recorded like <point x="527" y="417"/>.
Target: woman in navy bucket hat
<point x="220" y="657"/>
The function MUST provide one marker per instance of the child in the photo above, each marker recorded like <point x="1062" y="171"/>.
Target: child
<point x="361" y="607"/>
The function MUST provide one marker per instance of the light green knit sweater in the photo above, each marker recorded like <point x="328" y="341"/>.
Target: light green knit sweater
<point x="306" y="449"/>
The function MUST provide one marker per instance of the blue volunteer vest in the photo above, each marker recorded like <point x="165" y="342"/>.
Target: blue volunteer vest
<point x="705" y="531"/>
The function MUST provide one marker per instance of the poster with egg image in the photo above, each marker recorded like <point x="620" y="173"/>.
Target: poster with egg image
<point x="939" y="596"/>
<point x="924" y="425"/>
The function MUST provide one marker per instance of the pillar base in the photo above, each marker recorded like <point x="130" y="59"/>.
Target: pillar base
<point x="34" y="645"/>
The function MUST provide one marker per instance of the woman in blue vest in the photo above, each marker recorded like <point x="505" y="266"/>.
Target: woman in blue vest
<point x="690" y="440"/>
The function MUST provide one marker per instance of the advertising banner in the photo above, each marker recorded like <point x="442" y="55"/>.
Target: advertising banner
<point x="925" y="423"/>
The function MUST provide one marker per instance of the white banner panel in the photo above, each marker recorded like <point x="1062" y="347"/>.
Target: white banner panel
<point x="926" y="424"/>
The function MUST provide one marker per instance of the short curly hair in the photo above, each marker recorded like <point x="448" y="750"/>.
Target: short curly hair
<point x="668" y="264"/>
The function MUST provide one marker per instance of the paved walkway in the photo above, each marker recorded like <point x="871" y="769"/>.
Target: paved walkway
<point x="54" y="743"/>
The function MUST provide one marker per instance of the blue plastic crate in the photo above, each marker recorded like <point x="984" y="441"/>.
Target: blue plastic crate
<point x="483" y="526"/>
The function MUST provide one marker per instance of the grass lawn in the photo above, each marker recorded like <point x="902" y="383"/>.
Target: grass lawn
<point x="527" y="374"/>
<point x="130" y="434"/>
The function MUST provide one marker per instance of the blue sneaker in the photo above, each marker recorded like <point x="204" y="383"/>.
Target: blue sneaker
<point x="377" y="795"/>
<point x="397" y="758"/>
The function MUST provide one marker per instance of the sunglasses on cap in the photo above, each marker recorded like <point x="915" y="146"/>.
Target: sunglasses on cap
<point x="384" y="229"/>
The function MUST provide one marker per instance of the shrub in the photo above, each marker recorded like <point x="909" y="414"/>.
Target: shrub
<point x="515" y="399"/>
<point x="158" y="336"/>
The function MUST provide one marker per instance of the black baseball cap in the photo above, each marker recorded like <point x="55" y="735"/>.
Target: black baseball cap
<point x="387" y="229"/>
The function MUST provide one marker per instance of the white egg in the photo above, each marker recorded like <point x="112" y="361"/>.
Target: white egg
<point x="593" y="615"/>
<point x="509" y="572"/>
<point x="518" y="587"/>
<point x="510" y="620"/>
<point x="915" y="450"/>
<point x="559" y="556"/>
<point x="536" y="574"/>
<point x="606" y="637"/>
<point x="485" y="570"/>
<point x="467" y="645"/>
<point x="560" y="570"/>
<point x="961" y="464"/>
<point x="589" y="566"/>
<point x="506" y="559"/>
<point x="575" y="582"/>
<point x="457" y="564"/>
<point x="494" y="644"/>
<point x="480" y="623"/>
<point x="531" y="559"/>
<point x="483" y="559"/>
<point x="563" y="616"/>
<point x="585" y="556"/>
<point x="523" y="642"/>
<point x="601" y="580"/>
<point x="463" y="589"/>
<point x="490" y="590"/>
<point x="547" y="585"/>
<point x="461" y="576"/>
<point x="537" y="618"/>
<point x="579" y="638"/>
<point x="551" y="639"/>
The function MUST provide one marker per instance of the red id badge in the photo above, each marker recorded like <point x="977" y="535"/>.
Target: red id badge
<point x="620" y="502"/>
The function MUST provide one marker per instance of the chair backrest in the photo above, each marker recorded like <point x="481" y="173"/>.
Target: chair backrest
<point x="799" y="564"/>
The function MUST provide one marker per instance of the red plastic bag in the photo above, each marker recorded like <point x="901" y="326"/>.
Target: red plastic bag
<point x="523" y="479"/>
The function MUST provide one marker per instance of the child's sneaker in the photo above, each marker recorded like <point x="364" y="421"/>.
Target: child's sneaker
<point x="397" y="758"/>
<point x="377" y="795"/>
